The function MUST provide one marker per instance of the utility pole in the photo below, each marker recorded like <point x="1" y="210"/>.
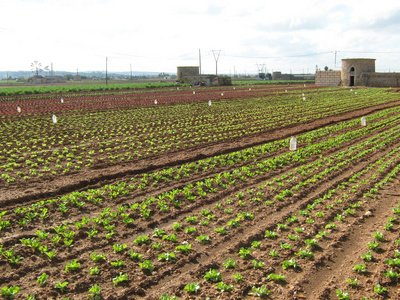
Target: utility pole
<point x="131" y="73"/>
<point x="216" y="57"/>
<point x="335" y="58"/>
<point x="199" y="62"/>
<point x="106" y="70"/>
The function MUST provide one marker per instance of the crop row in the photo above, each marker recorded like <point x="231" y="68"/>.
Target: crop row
<point x="35" y="148"/>
<point x="177" y="225"/>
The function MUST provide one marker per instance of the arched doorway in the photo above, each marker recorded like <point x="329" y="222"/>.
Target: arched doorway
<point x="352" y="72"/>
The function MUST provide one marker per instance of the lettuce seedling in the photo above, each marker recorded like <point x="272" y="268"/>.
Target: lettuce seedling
<point x="192" y="288"/>
<point x="213" y="275"/>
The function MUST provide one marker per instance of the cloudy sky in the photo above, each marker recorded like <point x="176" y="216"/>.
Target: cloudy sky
<point x="284" y="35"/>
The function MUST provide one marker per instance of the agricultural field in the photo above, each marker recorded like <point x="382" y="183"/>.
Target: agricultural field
<point x="193" y="193"/>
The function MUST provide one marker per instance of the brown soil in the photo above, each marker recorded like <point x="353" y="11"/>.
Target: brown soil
<point x="316" y="278"/>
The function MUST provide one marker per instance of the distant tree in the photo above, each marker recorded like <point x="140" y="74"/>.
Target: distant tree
<point x="68" y="76"/>
<point x="162" y="75"/>
<point x="326" y="68"/>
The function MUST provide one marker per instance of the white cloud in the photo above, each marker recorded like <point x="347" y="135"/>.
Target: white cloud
<point x="160" y="35"/>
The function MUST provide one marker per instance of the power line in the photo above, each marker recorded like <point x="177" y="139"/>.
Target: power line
<point x="266" y="57"/>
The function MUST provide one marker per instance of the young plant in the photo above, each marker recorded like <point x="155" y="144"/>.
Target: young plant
<point x="380" y="290"/>
<point x="170" y="237"/>
<point x="352" y="282"/>
<point x="245" y="252"/>
<point x="120" y="278"/>
<point x="167" y="297"/>
<point x="361" y="268"/>
<point x="223" y="287"/>
<point x="134" y="255"/>
<point x="213" y="275"/>
<point x="379" y="236"/>
<point x="367" y="256"/>
<point x="271" y="234"/>
<point x="147" y="266"/>
<point x="305" y="253"/>
<point x="230" y="263"/>
<point x="118" y="248"/>
<point x="95" y="292"/>
<point x="203" y="239"/>
<point x="42" y="279"/>
<point x="177" y="226"/>
<point x="261" y="291"/>
<point x="9" y="292"/>
<point x="276" y="277"/>
<point x="192" y="288"/>
<point x="257" y="264"/>
<point x="167" y="256"/>
<point x="94" y="271"/>
<point x="98" y="257"/>
<point x="157" y="232"/>
<point x="185" y="249"/>
<point x="221" y="230"/>
<point x="291" y="263"/>
<point x="342" y="295"/>
<point x="62" y="286"/>
<point x="392" y="275"/>
<point x="73" y="266"/>
<point x="140" y="240"/>
<point x="118" y="263"/>
<point x="273" y="253"/>
<point x="238" y="277"/>
<point x="373" y="246"/>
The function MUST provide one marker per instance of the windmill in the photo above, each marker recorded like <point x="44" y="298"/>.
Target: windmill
<point x="37" y="67"/>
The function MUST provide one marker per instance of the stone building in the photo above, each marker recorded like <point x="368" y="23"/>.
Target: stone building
<point x="191" y="75"/>
<point x="357" y="72"/>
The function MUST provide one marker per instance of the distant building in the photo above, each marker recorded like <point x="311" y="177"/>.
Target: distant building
<point x="38" y="79"/>
<point x="191" y="75"/>
<point x="357" y="72"/>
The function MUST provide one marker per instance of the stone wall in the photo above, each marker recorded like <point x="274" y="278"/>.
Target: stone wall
<point x="328" y="78"/>
<point x="187" y="74"/>
<point x="381" y="79"/>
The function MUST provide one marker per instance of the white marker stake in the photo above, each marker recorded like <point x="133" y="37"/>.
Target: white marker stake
<point x="155" y="101"/>
<point x="194" y="92"/>
<point x="54" y="119"/>
<point x="62" y="100"/>
<point x="19" y="109"/>
<point x="222" y="94"/>
<point x="363" y="121"/>
<point x="293" y="143"/>
<point x="209" y="102"/>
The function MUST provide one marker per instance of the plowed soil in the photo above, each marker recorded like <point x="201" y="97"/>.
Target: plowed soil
<point x="318" y="277"/>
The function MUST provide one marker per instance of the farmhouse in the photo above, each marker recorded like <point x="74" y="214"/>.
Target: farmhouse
<point x="357" y="72"/>
<point x="191" y="74"/>
<point x="38" y="79"/>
